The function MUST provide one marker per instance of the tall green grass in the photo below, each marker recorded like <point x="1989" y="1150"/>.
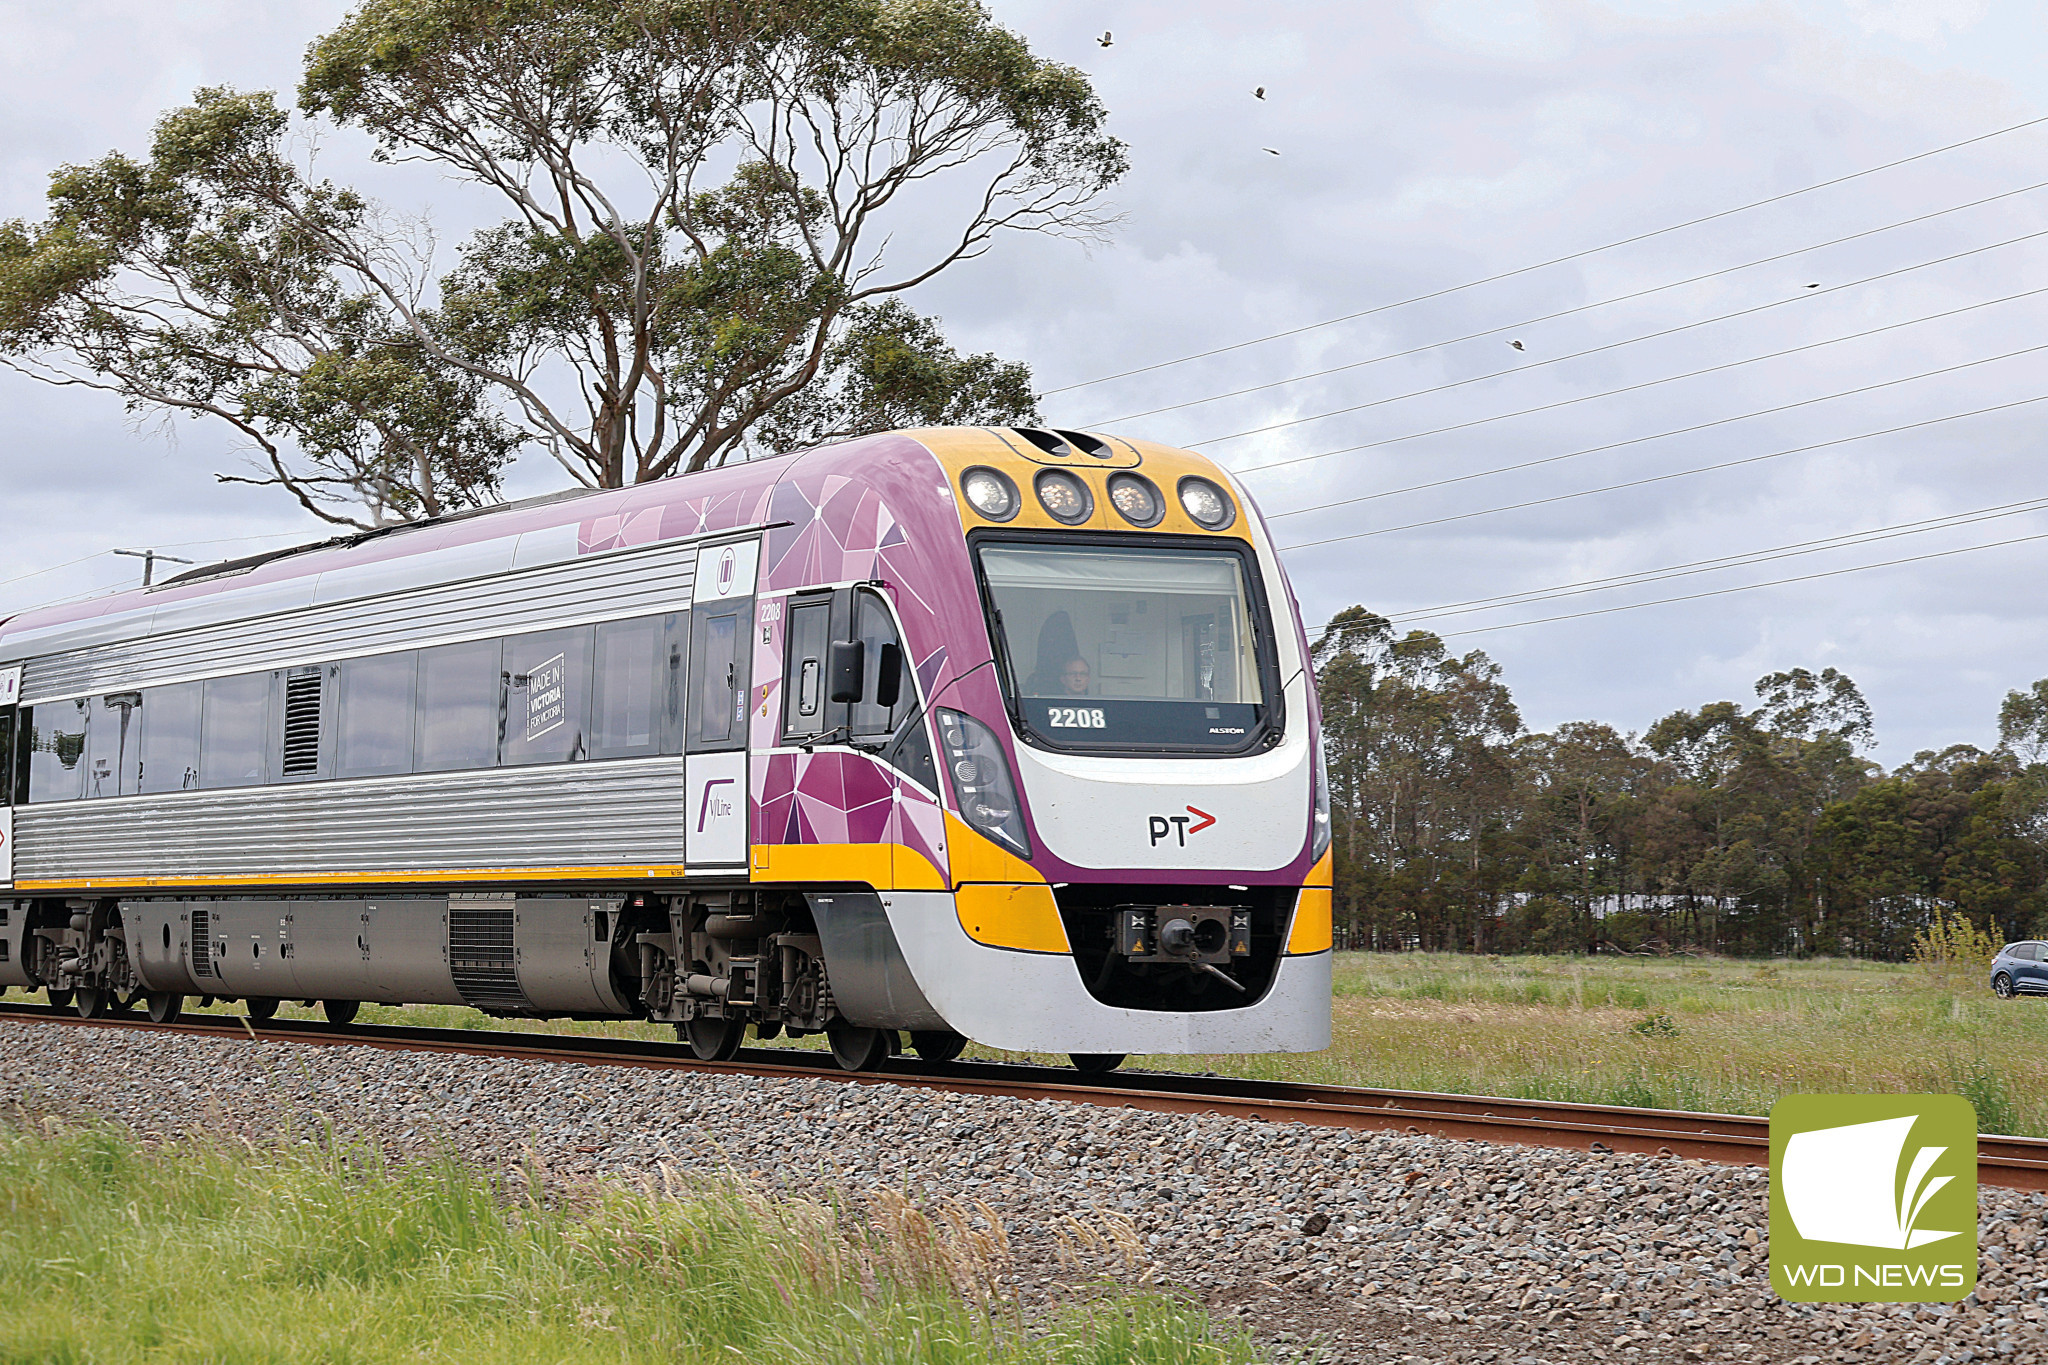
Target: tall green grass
<point x="113" y="1252"/>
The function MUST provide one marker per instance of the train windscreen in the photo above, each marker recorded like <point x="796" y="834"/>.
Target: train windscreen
<point x="1121" y="648"/>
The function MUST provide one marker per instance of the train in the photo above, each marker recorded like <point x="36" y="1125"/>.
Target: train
<point x="1003" y="735"/>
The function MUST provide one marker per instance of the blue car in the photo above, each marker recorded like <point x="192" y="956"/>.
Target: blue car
<point x="2020" y="969"/>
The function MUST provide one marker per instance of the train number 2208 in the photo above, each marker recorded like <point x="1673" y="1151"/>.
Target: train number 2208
<point x="1078" y="718"/>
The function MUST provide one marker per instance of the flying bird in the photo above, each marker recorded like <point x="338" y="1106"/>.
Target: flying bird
<point x="1813" y="286"/>
<point x="1259" y="93"/>
<point x="1104" y="40"/>
<point x="1518" y="345"/>
<point x="1269" y="151"/>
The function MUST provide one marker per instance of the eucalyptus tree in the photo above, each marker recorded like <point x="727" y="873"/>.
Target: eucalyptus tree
<point x="707" y="212"/>
<point x="1421" y="775"/>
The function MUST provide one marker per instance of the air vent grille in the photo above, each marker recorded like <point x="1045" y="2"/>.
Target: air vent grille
<point x="302" y="695"/>
<point x="202" y="943"/>
<point x="1049" y="442"/>
<point x="480" y="952"/>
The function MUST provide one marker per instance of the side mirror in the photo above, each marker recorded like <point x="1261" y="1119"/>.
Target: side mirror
<point x="845" y="669"/>
<point x="889" y="676"/>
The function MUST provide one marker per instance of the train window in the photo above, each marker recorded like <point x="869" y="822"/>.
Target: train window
<point x="55" y="741"/>
<point x="113" y="752"/>
<point x="376" y="727"/>
<point x="803" y="699"/>
<point x="234" y="731"/>
<point x="911" y="754"/>
<point x="458" y="694"/>
<point x="170" y="741"/>
<point x="880" y="706"/>
<point x="24" y="735"/>
<point x="675" y="657"/>
<point x="1121" y="647"/>
<point x="623" y="694"/>
<point x="718" y="678"/>
<point x="547" y="696"/>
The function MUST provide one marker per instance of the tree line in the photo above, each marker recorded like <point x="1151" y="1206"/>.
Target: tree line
<point x="1735" y="827"/>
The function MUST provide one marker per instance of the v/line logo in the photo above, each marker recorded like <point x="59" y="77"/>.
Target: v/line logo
<point x="1880" y="1208"/>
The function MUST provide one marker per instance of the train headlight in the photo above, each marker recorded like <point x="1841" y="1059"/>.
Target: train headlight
<point x="1064" y="497"/>
<point x="1209" y="505"/>
<point x="982" y="786"/>
<point x="1319" y="838"/>
<point x="1135" y="499"/>
<point x="990" y="493"/>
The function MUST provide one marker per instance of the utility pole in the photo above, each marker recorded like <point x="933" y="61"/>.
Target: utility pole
<point x="149" y="559"/>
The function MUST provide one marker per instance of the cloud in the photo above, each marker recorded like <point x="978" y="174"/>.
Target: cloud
<point x="1424" y="145"/>
<point x="1926" y="22"/>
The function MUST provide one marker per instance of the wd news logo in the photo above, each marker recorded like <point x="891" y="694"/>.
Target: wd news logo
<point x="1873" y="1198"/>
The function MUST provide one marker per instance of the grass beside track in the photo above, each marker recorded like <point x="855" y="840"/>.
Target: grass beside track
<point x="114" y="1252"/>
<point x="1724" y="1035"/>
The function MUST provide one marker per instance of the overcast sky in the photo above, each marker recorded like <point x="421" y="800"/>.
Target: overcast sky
<point x="1421" y="147"/>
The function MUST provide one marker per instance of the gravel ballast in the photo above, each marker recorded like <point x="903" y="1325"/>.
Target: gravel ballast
<point x="1357" y="1246"/>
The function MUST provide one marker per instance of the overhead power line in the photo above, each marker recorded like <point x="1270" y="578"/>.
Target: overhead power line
<point x="237" y="540"/>
<point x="1560" y="313"/>
<point x="1555" y="260"/>
<point x="38" y="573"/>
<point x="1749" y="587"/>
<point x="1665" y="478"/>
<point x="1617" y="345"/>
<point x="1848" y="540"/>
<point x="1637" y="440"/>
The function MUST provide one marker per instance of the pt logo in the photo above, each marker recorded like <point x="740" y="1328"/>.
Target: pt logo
<point x="1178" y="827"/>
<point x="1873" y="1198"/>
<point x="714" y="806"/>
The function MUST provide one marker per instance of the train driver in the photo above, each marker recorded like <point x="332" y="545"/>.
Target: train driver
<point x="1074" y="678"/>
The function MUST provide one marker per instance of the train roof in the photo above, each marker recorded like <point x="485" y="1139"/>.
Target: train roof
<point x="553" y="527"/>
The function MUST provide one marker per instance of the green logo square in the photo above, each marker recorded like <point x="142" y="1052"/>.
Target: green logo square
<point x="1873" y="1198"/>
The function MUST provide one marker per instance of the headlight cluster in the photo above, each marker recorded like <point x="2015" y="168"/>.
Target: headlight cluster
<point x="1209" y="505"/>
<point x="990" y="492"/>
<point x="1134" y="497"/>
<point x="1066" y="498"/>
<point x="982" y="785"/>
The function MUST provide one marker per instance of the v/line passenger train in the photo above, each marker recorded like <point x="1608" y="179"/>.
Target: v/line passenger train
<point x="964" y="733"/>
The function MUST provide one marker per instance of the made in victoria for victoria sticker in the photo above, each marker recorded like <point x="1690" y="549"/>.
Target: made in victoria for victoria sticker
<point x="547" y="689"/>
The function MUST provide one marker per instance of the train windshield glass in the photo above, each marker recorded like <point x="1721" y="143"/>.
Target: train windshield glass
<point x="1121" y="648"/>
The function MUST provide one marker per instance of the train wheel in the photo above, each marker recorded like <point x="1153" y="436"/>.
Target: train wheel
<point x="340" y="1011"/>
<point x="857" y="1049"/>
<point x="714" y="1040"/>
<point x="1096" y="1063"/>
<point x="260" y="1007"/>
<point x="59" y="999"/>
<point x="90" y="1002"/>
<point x="938" y="1045"/>
<point x="164" y="1008"/>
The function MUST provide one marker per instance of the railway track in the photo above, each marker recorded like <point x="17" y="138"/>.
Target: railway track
<point x="1730" y="1139"/>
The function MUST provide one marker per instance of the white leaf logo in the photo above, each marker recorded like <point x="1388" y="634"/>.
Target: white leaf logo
<point x="1843" y="1185"/>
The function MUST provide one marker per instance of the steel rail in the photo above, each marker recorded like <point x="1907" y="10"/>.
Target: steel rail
<point x="1727" y="1139"/>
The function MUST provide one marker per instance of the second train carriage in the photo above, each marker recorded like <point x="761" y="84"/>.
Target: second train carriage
<point x="964" y="733"/>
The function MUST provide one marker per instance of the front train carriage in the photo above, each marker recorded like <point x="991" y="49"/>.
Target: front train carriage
<point x="1003" y="735"/>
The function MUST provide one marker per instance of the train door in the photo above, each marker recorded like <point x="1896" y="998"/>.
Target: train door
<point x="720" y="676"/>
<point x="10" y="695"/>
